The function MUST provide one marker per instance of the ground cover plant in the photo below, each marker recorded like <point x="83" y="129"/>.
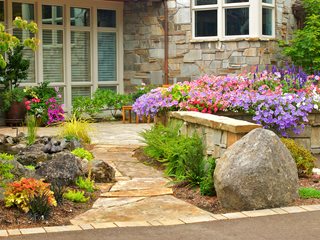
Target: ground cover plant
<point x="279" y="99"/>
<point x="307" y="192"/>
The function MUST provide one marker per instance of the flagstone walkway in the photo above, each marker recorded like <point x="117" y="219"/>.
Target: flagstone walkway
<point x="141" y="193"/>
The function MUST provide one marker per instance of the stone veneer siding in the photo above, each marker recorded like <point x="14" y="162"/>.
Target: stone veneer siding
<point x="188" y="59"/>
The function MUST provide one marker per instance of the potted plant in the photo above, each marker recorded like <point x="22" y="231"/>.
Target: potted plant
<point x="14" y="69"/>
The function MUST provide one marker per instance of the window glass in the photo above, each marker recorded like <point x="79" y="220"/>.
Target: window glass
<point x="205" y="2"/>
<point x="80" y="56"/>
<point x="24" y="10"/>
<point x="237" y="21"/>
<point x="106" y="18"/>
<point x="1" y="11"/>
<point x="267" y="1"/>
<point x="52" y="15"/>
<point x="107" y="56"/>
<point x="266" y="21"/>
<point x="27" y="54"/>
<point x="206" y="23"/>
<point x="113" y="88"/>
<point x="53" y="64"/>
<point x="80" y="17"/>
<point x="80" y="91"/>
<point x="236" y="1"/>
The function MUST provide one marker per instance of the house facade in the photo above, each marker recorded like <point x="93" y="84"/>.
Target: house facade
<point x="86" y="45"/>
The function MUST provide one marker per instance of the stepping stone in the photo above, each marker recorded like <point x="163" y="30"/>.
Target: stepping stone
<point x="113" y="202"/>
<point x="140" y="184"/>
<point x="161" y="208"/>
<point x="139" y="193"/>
<point x="137" y="169"/>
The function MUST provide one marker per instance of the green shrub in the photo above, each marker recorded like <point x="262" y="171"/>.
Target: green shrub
<point x="207" y="183"/>
<point x="76" y="196"/>
<point x="82" y="153"/>
<point x="181" y="155"/>
<point x="30" y="167"/>
<point x="303" y="157"/>
<point x="304" y="48"/>
<point x="86" y="184"/>
<point x="6" y="156"/>
<point x="309" y="193"/>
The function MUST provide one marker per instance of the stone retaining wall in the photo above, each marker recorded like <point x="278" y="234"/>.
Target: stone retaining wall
<point x="218" y="132"/>
<point x="309" y="138"/>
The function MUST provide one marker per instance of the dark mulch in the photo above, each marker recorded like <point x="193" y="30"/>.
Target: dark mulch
<point x="11" y="218"/>
<point x="211" y="204"/>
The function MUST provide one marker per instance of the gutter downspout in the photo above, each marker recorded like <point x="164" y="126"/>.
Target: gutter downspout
<point x="166" y="42"/>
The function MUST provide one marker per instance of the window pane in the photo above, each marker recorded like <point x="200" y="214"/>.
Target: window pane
<point x="106" y="18"/>
<point x="24" y="10"/>
<point x="107" y="56"/>
<point x="80" y="16"/>
<point x="206" y="23"/>
<point x="205" y="2"/>
<point x="267" y="1"/>
<point x="1" y="11"/>
<point x="53" y="55"/>
<point x="80" y="56"/>
<point x="235" y="1"/>
<point x="266" y="21"/>
<point x="52" y="15"/>
<point x="113" y="88"/>
<point x="27" y="54"/>
<point x="237" y="21"/>
<point x="81" y="92"/>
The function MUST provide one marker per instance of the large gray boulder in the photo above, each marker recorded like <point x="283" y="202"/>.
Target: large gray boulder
<point x="31" y="155"/>
<point x="63" y="167"/>
<point x="256" y="172"/>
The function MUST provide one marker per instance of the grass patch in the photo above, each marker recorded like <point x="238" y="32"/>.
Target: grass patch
<point x="309" y="193"/>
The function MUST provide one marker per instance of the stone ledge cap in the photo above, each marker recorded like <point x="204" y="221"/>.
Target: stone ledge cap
<point x="215" y="121"/>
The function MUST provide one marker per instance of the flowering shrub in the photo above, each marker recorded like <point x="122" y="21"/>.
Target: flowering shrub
<point x="21" y="193"/>
<point x="43" y="103"/>
<point x="277" y="99"/>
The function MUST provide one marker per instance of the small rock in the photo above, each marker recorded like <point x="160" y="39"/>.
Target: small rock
<point x="32" y="155"/>
<point x="102" y="172"/>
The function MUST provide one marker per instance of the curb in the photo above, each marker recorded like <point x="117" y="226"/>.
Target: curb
<point x="183" y="220"/>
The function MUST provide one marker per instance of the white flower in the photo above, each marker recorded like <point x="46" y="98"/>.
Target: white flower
<point x="316" y="107"/>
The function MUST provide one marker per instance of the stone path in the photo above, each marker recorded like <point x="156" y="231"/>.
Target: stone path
<point x="140" y="194"/>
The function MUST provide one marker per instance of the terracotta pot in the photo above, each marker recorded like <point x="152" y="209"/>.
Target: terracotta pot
<point x="16" y="114"/>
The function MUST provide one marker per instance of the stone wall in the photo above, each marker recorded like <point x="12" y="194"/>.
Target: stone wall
<point x="189" y="59"/>
<point x="218" y="132"/>
<point x="309" y="138"/>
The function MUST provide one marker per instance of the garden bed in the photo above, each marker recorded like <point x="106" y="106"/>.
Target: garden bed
<point x="12" y="218"/>
<point x="211" y="203"/>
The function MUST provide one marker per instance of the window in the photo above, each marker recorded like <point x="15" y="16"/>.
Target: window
<point x="26" y="11"/>
<point x="107" y="46"/>
<point x="225" y="19"/>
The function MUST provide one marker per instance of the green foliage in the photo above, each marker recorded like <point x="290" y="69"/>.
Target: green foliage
<point x="75" y="196"/>
<point x="86" y="184"/>
<point x="102" y="99"/>
<point x="6" y="156"/>
<point x="82" y="153"/>
<point x="75" y="128"/>
<point x="302" y="156"/>
<point x="10" y="96"/>
<point x="58" y="189"/>
<point x="207" y="183"/>
<point x="32" y="129"/>
<point x="309" y="193"/>
<point x="30" y="167"/>
<point x="141" y="90"/>
<point x="181" y="155"/>
<point x="304" y="48"/>
<point x="21" y="193"/>
<point x="40" y="207"/>
<point x="5" y="172"/>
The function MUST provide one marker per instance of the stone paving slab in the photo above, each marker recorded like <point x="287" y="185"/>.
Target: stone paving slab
<point x="136" y="170"/>
<point x="140" y="184"/>
<point x="149" y="209"/>
<point x="139" y="193"/>
<point x="113" y="202"/>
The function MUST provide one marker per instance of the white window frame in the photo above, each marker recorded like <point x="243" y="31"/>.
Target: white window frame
<point x="93" y="5"/>
<point x="255" y="19"/>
